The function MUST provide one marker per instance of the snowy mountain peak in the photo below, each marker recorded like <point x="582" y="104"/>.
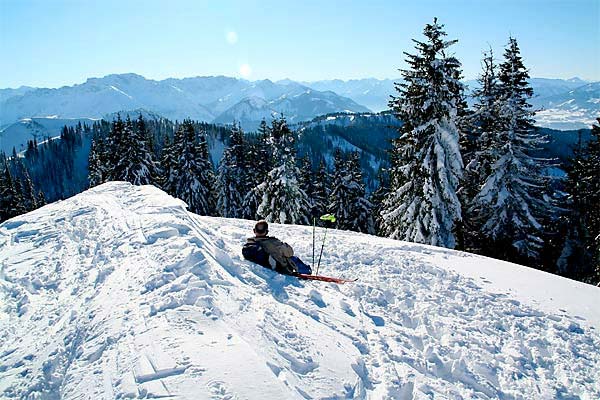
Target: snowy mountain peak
<point x="122" y="293"/>
<point x="126" y="77"/>
<point x="286" y="81"/>
<point x="199" y="98"/>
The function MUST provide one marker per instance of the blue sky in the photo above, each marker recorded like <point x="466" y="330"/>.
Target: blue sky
<point x="50" y="43"/>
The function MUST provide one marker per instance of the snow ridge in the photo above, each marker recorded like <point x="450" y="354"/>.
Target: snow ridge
<point x="119" y="292"/>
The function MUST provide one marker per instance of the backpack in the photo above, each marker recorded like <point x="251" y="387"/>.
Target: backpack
<point x="255" y="253"/>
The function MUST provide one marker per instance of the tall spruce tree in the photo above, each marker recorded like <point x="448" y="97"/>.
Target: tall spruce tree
<point x="422" y="205"/>
<point x="143" y="169"/>
<point x="28" y="196"/>
<point x="11" y="202"/>
<point x="592" y="197"/>
<point x="320" y="185"/>
<point x="338" y="198"/>
<point x="510" y="204"/>
<point x="282" y="201"/>
<point x="232" y="181"/>
<point x="478" y="149"/>
<point x="263" y="151"/>
<point x="348" y="202"/>
<point x="195" y="176"/>
<point x="135" y="162"/>
<point x="377" y="199"/>
<point x="115" y="144"/>
<point x="361" y="214"/>
<point x="260" y="160"/>
<point x="207" y="176"/>
<point x="97" y="161"/>
<point x="306" y="182"/>
<point x="41" y="199"/>
<point x="580" y="255"/>
<point x="168" y="176"/>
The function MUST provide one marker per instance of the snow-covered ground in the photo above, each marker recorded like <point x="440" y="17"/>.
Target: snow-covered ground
<point x="119" y="292"/>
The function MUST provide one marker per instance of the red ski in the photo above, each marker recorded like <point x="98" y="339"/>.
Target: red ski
<point x="324" y="278"/>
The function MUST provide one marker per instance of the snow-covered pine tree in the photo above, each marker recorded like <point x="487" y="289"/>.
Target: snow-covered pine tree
<point x="477" y="149"/>
<point x="136" y="162"/>
<point x="592" y="195"/>
<point x="144" y="169"/>
<point x="3" y="189"/>
<point x="580" y="256"/>
<point x="97" y="161"/>
<point x="32" y="151"/>
<point x="362" y="209"/>
<point x="28" y="196"/>
<point x="320" y="190"/>
<point x="11" y="202"/>
<point x="422" y="205"/>
<point x="339" y="204"/>
<point x="22" y="183"/>
<point x="511" y="204"/>
<point x="348" y="203"/>
<point x="251" y="202"/>
<point x="232" y="181"/>
<point x="259" y="163"/>
<point x="168" y="176"/>
<point x="282" y="201"/>
<point x="114" y="146"/>
<point x="41" y="199"/>
<point x="121" y="150"/>
<point x="207" y="176"/>
<point x="265" y="153"/>
<point x="195" y="176"/>
<point x="377" y="198"/>
<point x="306" y="182"/>
<point x="263" y="130"/>
<point x="18" y="187"/>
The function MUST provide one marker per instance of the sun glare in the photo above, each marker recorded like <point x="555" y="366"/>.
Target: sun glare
<point x="231" y="37"/>
<point x="245" y="71"/>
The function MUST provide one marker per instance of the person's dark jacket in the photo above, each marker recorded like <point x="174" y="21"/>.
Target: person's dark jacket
<point x="269" y="252"/>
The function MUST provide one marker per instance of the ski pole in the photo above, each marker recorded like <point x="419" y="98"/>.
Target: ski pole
<point x="313" y="249"/>
<point x="321" y="253"/>
<point x="330" y="218"/>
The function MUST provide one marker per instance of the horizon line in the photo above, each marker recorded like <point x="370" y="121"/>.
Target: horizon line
<point x="258" y="80"/>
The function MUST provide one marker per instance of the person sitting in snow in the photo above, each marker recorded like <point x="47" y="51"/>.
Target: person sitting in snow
<point x="272" y="253"/>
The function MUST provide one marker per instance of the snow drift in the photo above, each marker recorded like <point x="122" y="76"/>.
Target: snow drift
<point x="119" y="292"/>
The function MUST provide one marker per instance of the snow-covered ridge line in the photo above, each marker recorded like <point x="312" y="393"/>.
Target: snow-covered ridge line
<point x="122" y="293"/>
<point x="210" y="99"/>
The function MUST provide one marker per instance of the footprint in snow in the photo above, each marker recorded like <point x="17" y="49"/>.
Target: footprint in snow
<point x="346" y="308"/>
<point x="317" y="298"/>
<point x="219" y="391"/>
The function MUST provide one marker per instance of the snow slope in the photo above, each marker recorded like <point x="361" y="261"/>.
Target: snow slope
<point x="16" y="135"/>
<point x="119" y="292"/>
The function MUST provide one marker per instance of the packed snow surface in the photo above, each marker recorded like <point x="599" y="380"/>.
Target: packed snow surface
<point x="119" y="292"/>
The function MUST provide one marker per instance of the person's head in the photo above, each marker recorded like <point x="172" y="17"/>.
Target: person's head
<point x="261" y="228"/>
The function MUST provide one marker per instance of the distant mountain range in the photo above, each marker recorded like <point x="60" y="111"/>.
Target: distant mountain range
<point x="561" y="104"/>
<point x="370" y="92"/>
<point x="203" y="98"/>
<point x="575" y="109"/>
